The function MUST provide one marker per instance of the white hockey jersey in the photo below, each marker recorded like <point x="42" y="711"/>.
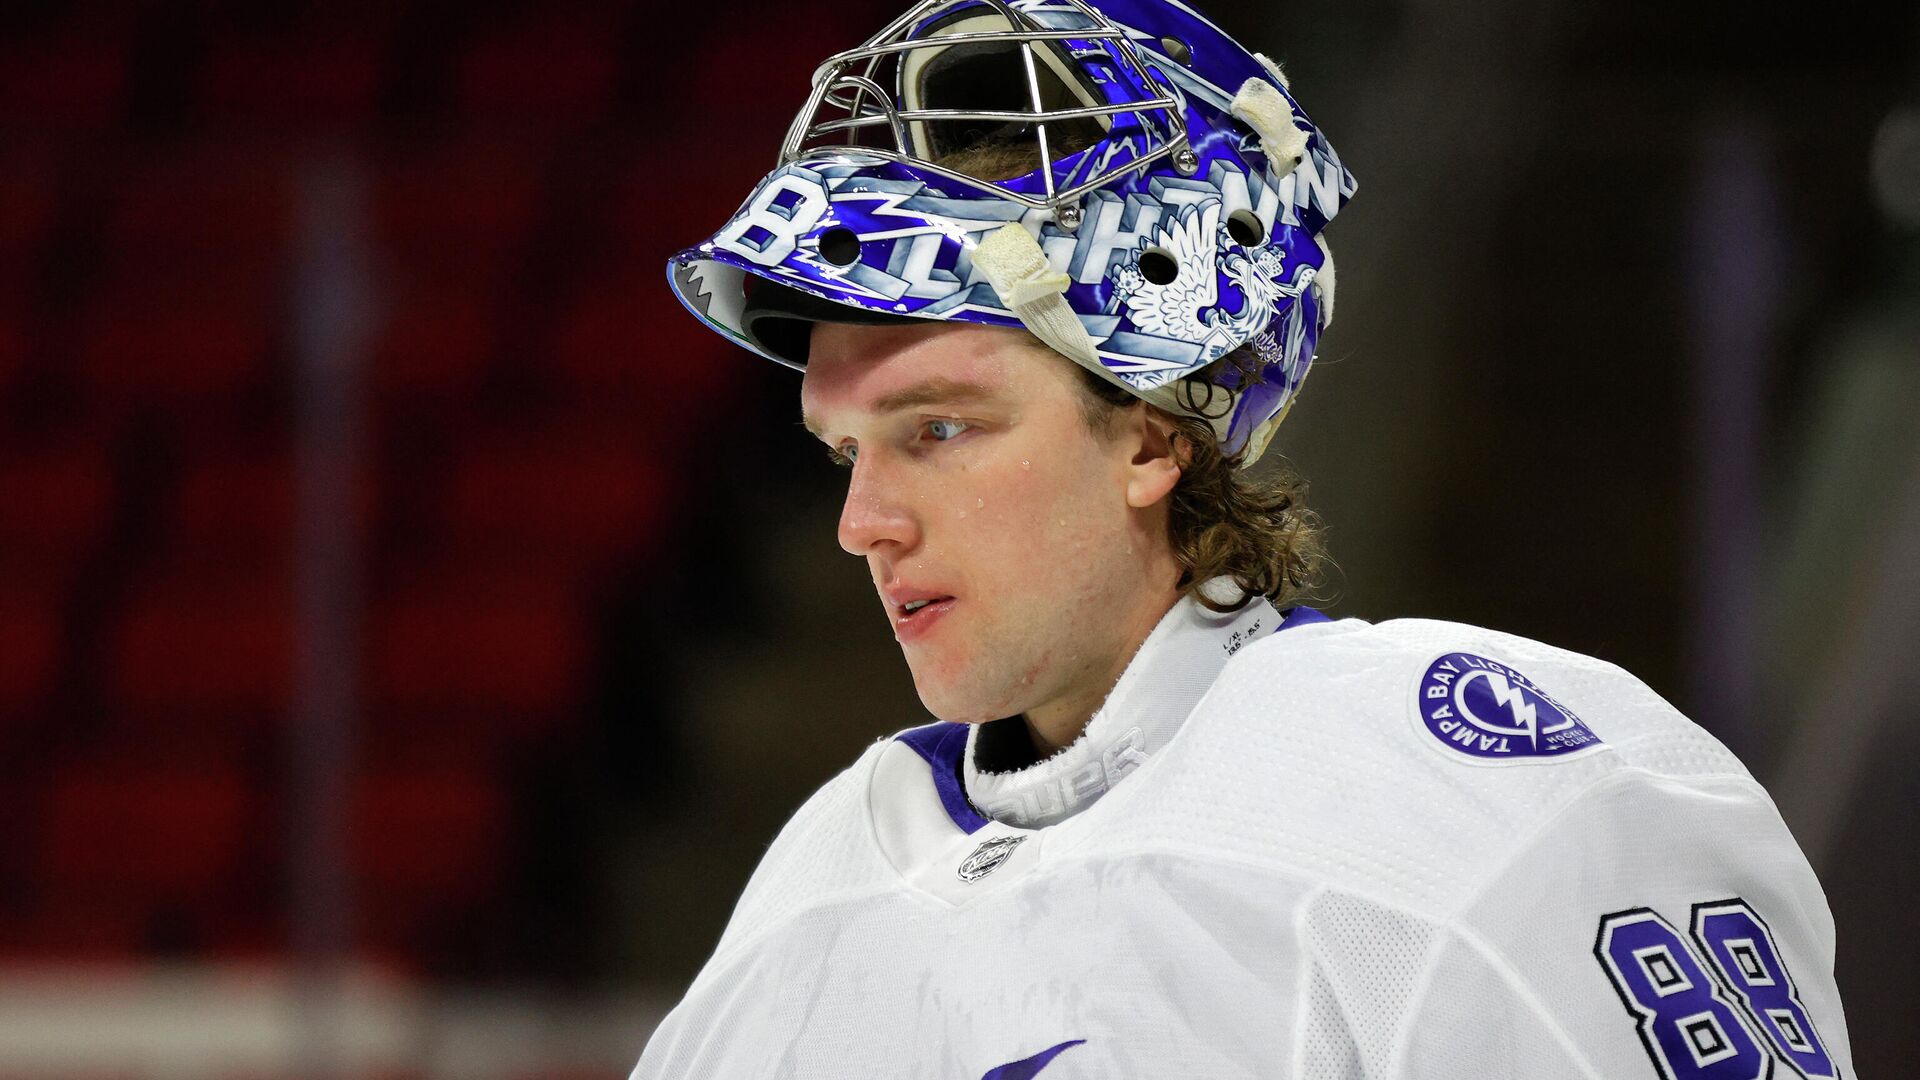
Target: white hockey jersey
<point x="1339" y="850"/>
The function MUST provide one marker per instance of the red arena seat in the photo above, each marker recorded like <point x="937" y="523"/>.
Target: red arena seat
<point x="620" y="348"/>
<point x="31" y="626"/>
<point x="223" y="202"/>
<point x="235" y="506"/>
<point x="435" y="344"/>
<point x="235" y="513"/>
<point x="207" y="648"/>
<point x="427" y="845"/>
<point x="121" y="829"/>
<point x="66" y="929"/>
<point x="487" y="646"/>
<point x="172" y="354"/>
<point x="570" y="504"/>
<point x="59" y="501"/>
<point x="429" y="833"/>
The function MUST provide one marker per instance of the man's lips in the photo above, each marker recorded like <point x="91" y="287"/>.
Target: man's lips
<point x="929" y="608"/>
<point x="916" y="624"/>
<point x="899" y="596"/>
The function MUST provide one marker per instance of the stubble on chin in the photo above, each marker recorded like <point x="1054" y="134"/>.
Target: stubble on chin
<point x="975" y="690"/>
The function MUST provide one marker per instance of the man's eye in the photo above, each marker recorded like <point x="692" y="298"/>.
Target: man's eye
<point x="942" y="430"/>
<point x="844" y="455"/>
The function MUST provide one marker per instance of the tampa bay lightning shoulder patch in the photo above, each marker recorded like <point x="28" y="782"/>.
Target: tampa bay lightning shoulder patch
<point x="1486" y="711"/>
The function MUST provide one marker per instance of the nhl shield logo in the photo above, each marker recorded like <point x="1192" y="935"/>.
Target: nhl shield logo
<point x="1487" y="711"/>
<point x="988" y="856"/>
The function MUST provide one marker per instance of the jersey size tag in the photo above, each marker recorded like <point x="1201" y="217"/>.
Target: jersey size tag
<point x="1488" y="712"/>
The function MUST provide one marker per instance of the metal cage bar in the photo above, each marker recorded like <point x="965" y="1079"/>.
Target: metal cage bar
<point x="868" y="104"/>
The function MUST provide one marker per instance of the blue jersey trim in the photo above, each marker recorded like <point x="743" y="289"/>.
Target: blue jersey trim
<point x="942" y="744"/>
<point x="1299" y="616"/>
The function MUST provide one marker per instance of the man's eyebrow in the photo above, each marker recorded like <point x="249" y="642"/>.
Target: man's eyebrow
<point x="925" y="392"/>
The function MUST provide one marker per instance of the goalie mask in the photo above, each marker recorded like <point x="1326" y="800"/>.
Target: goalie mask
<point x="1117" y="176"/>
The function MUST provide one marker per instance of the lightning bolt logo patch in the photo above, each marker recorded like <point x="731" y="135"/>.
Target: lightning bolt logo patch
<point x="1487" y="711"/>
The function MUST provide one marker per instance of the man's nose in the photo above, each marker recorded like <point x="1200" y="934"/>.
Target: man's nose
<point x="875" y="516"/>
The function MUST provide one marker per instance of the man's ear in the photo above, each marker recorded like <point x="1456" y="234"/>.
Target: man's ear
<point x="1156" y="462"/>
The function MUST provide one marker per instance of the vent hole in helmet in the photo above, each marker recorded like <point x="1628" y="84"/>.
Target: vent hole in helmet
<point x="1245" y="228"/>
<point x="840" y="247"/>
<point x="1177" y="51"/>
<point x="1158" y="266"/>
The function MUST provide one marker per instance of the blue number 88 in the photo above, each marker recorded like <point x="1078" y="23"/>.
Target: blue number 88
<point x="1688" y="1020"/>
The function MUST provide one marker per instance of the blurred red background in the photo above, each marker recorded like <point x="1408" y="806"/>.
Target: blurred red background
<point x="404" y="602"/>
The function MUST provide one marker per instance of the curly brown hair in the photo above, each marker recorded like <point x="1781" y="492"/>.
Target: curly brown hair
<point x="1252" y="526"/>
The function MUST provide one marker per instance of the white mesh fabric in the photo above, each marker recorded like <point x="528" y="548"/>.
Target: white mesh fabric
<point x="1329" y="1049"/>
<point x="1369" y="962"/>
<point x="1472" y="1022"/>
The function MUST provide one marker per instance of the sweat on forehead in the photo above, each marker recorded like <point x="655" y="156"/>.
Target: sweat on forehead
<point x="887" y="369"/>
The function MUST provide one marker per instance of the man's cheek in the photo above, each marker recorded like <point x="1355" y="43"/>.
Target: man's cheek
<point x="1028" y="516"/>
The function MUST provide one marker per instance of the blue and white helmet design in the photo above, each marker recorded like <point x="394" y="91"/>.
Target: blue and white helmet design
<point x="1170" y="213"/>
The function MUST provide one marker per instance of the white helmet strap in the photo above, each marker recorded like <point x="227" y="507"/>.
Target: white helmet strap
<point x="1013" y="263"/>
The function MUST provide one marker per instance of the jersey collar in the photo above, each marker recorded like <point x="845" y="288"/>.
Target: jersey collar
<point x="1166" y="678"/>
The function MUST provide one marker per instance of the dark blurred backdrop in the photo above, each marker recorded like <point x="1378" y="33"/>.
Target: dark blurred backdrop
<point x="413" y="625"/>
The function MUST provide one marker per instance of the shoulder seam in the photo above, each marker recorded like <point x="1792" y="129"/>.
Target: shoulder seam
<point x="1303" y="991"/>
<point x="1444" y="928"/>
<point x="1525" y="843"/>
<point x="1454" y="924"/>
<point x="1520" y="987"/>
